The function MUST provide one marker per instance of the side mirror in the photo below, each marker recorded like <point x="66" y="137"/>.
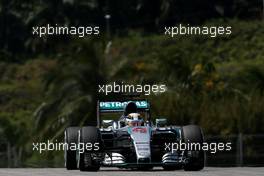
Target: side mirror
<point x="121" y="124"/>
<point x="161" y="122"/>
<point x="107" y="123"/>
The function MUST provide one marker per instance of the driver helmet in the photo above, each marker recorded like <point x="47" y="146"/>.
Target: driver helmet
<point x="134" y="119"/>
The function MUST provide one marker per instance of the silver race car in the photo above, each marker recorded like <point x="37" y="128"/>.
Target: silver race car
<point x="126" y="137"/>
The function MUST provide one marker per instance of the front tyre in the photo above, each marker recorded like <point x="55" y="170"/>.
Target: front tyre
<point x="89" y="159"/>
<point x="70" y="137"/>
<point x="193" y="134"/>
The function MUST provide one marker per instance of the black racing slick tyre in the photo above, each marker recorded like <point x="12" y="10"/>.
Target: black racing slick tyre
<point x="193" y="134"/>
<point x="88" y="158"/>
<point x="70" y="137"/>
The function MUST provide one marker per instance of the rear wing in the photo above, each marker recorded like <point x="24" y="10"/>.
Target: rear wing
<point x="119" y="106"/>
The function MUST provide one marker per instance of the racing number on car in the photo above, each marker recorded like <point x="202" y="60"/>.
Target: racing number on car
<point x="140" y="130"/>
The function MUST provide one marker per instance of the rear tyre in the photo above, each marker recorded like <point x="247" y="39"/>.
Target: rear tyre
<point x="70" y="137"/>
<point x="193" y="134"/>
<point x="87" y="159"/>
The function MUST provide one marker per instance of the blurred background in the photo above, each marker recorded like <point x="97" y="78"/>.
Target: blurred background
<point x="49" y="83"/>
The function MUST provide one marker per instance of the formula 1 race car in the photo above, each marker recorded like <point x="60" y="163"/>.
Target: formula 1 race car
<point x="131" y="140"/>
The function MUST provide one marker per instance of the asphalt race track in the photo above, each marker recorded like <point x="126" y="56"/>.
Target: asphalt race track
<point x="209" y="171"/>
